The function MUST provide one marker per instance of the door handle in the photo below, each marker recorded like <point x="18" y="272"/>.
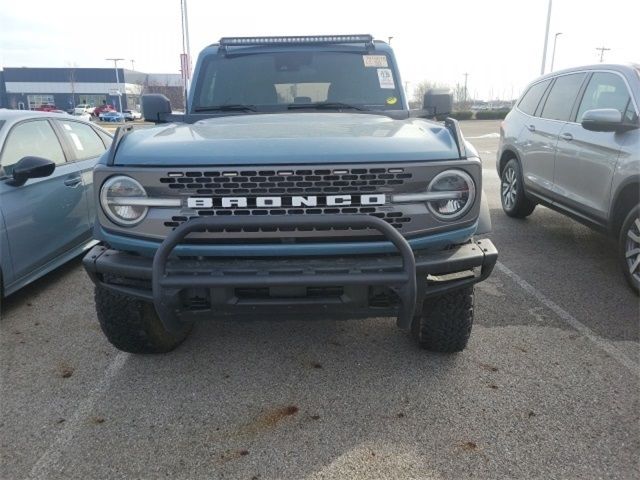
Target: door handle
<point x="73" y="182"/>
<point x="531" y="128"/>
<point x="566" y="136"/>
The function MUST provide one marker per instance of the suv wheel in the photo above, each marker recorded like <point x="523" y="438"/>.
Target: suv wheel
<point x="514" y="202"/>
<point x="629" y="243"/>
<point x="445" y="322"/>
<point x="133" y="326"/>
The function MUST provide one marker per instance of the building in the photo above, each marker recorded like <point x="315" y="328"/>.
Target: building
<point x="29" y="88"/>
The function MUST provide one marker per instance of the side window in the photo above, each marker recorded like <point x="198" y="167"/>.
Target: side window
<point x="531" y="99"/>
<point x="106" y="138"/>
<point x="605" y="90"/>
<point x="83" y="139"/>
<point x="562" y="97"/>
<point x="31" y="138"/>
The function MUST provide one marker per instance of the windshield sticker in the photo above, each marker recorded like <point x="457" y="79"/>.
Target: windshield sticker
<point x="385" y="77"/>
<point x="375" y="60"/>
<point x="392" y="100"/>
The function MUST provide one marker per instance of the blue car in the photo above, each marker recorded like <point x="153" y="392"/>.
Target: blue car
<point x="46" y="192"/>
<point x="111" y="117"/>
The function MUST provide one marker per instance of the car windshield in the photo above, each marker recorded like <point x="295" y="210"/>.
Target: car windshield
<point x="275" y="80"/>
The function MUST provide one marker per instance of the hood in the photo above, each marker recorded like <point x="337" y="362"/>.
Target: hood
<point x="288" y="138"/>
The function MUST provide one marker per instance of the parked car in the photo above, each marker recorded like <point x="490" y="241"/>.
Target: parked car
<point x="572" y="143"/>
<point x="380" y="210"/>
<point x="83" y="108"/>
<point x="102" y="108"/>
<point x="131" y="115"/>
<point x="46" y="192"/>
<point x="111" y="116"/>
<point x="87" y="117"/>
<point x="46" y="108"/>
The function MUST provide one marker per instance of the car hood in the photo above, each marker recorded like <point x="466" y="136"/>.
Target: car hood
<point x="288" y="138"/>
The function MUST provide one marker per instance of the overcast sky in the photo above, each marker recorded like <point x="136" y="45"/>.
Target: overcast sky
<point x="498" y="42"/>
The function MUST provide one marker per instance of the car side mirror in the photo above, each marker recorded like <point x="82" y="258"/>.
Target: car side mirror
<point x="154" y="105"/>
<point x="605" y="120"/>
<point x="31" y="167"/>
<point x="438" y="102"/>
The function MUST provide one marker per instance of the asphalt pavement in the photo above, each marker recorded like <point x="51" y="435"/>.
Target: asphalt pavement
<point x="547" y="389"/>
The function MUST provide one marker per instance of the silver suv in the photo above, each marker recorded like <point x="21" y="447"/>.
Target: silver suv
<point x="572" y="143"/>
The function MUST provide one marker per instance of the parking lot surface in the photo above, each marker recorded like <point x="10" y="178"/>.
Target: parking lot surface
<point x="548" y="387"/>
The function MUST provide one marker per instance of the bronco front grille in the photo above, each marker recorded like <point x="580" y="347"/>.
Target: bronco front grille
<point x="283" y="182"/>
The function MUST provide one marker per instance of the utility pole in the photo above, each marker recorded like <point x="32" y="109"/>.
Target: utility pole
<point x="602" y="50"/>
<point x="553" y="55"/>
<point x="546" y="40"/>
<point x="133" y="64"/>
<point x="466" y="96"/>
<point x="185" y="58"/>
<point x="389" y="40"/>
<point x="115" y="66"/>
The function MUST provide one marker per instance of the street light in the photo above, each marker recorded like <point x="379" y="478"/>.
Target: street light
<point x="390" y="38"/>
<point x="553" y="55"/>
<point x="115" y="66"/>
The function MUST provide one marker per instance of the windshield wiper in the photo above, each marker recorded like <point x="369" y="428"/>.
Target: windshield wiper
<point x="231" y="107"/>
<point x="325" y="106"/>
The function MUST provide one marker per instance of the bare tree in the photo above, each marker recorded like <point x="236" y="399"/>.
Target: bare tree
<point x="174" y="94"/>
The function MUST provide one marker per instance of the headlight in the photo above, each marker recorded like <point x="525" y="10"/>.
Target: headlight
<point x="460" y="185"/>
<point x="117" y="204"/>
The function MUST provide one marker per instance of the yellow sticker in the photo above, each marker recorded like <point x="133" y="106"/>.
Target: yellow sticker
<point x="392" y="100"/>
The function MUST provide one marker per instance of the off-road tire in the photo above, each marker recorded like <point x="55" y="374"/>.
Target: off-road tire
<point x="132" y="325"/>
<point x="518" y="205"/>
<point x="623" y="247"/>
<point x="445" y="322"/>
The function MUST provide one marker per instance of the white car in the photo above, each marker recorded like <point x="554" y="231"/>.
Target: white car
<point x="131" y="115"/>
<point x="83" y="108"/>
<point x="82" y="116"/>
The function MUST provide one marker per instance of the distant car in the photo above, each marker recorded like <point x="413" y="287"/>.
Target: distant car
<point x="112" y="116"/>
<point x="83" y="108"/>
<point x="131" y="115"/>
<point x="103" y="108"/>
<point x="572" y="143"/>
<point x="87" y="117"/>
<point x="46" y="192"/>
<point x="46" y="108"/>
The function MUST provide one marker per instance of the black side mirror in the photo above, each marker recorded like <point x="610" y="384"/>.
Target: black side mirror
<point x="438" y="102"/>
<point x="31" y="167"/>
<point x="154" y="105"/>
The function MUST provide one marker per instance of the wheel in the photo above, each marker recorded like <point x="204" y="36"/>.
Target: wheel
<point x="132" y="325"/>
<point x="629" y="248"/>
<point x="514" y="202"/>
<point x="445" y="322"/>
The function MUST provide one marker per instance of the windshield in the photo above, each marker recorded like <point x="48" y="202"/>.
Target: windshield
<point x="272" y="81"/>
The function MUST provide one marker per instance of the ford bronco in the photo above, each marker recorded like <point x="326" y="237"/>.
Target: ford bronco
<point x="297" y="183"/>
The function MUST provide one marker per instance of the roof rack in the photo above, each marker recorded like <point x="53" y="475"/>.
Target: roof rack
<point x="295" y="40"/>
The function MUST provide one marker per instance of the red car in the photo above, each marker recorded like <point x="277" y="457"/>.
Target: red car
<point x="103" y="108"/>
<point x="46" y="108"/>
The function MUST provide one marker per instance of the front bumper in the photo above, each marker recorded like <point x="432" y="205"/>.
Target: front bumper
<point x="182" y="288"/>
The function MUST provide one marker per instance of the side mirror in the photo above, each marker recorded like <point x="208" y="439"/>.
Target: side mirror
<point x="438" y="102"/>
<point x="605" y="120"/>
<point x="154" y="105"/>
<point x="31" y="167"/>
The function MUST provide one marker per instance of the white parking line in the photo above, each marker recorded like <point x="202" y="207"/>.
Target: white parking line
<point x="604" y="345"/>
<point x="49" y="459"/>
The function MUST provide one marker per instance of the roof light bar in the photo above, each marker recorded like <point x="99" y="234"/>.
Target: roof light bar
<point x="314" y="39"/>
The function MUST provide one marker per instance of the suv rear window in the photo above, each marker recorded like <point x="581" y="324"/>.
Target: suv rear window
<point x="563" y="95"/>
<point x="268" y="80"/>
<point x="531" y="99"/>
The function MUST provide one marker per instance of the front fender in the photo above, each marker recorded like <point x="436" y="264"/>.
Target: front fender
<point x="484" y="219"/>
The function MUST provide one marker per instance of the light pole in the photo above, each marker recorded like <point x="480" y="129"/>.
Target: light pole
<point x="546" y="39"/>
<point x="115" y="66"/>
<point x="553" y="55"/>
<point x="389" y="38"/>
<point x="133" y="64"/>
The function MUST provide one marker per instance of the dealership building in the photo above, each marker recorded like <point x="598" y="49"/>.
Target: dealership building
<point x="29" y="88"/>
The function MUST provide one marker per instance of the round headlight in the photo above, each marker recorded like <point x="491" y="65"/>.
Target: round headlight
<point x="456" y="182"/>
<point x="116" y="202"/>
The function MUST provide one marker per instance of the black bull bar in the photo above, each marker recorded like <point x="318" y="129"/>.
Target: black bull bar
<point x="165" y="286"/>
